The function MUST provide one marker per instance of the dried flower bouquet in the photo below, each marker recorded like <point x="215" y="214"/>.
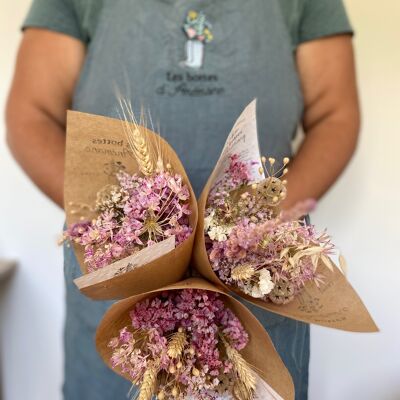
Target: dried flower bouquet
<point x="131" y="211"/>
<point x="266" y="253"/>
<point x="271" y="258"/>
<point x="191" y="341"/>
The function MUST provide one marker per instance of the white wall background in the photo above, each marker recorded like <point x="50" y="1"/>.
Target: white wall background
<point x="32" y="310"/>
<point x="362" y="213"/>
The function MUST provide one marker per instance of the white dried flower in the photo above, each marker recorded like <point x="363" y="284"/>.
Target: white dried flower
<point x="209" y="221"/>
<point x="262" y="287"/>
<point x="247" y="289"/>
<point x="219" y="233"/>
<point x="265" y="282"/>
<point x="256" y="292"/>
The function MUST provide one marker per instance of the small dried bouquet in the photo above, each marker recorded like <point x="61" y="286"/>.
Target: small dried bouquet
<point x="138" y="211"/>
<point x="124" y="195"/>
<point x="187" y="342"/>
<point x="271" y="257"/>
<point x="266" y="253"/>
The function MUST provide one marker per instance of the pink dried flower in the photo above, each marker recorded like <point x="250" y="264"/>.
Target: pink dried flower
<point x="152" y="209"/>
<point x="264" y="248"/>
<point x="238" y="171"/>
<point x="203" y="317"/>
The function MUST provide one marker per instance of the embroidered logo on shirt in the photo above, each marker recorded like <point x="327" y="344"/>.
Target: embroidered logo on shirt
<point x="198" y="31"/>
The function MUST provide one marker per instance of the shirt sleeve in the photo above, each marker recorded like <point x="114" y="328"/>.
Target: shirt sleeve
<point x="55" y="15"/>
<point x="321" y="18"/>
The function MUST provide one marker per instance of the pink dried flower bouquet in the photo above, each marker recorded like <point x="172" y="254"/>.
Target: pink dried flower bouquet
<point x="252" y="245"/>
<point x="131" y="211"/>
<point x="135" y="213"/>
<point x="181" y="336"/>
<point x="186" y="341"/>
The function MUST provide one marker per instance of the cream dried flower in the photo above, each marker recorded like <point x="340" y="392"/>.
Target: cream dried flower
<point x="260" y="284"/>
<point x="219" y="233"/>
<point x="209" y="221"/>
<point x="256" y="292"/>
<point x="265" y="281"/>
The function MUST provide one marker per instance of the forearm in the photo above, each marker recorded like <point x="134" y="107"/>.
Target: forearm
<point x="47" y="69"/>
<point x="322" y="157"/>
<point x="38" y="144"/>
<point x="331" y="117"/>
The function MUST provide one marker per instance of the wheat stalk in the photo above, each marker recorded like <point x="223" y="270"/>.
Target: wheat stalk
<point x="137" y="139"/>
<point x="177" y="344"/>
<point x="241" y="393"/>
<point x="148" y="385"/>
<point x="242" y="272"/>
<point x="160" y="162"/>
<point x="241" y="367"/>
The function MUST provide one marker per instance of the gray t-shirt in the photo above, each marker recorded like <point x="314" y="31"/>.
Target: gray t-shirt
<point x="195" y="64"/>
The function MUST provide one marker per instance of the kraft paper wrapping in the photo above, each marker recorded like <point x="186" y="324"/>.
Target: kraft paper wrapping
<point x="95" y="146"/>
<point x="335" y="305"/>
<point x="260" y="352"/>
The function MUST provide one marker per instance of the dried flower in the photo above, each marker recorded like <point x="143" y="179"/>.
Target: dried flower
<point x="149" y="381"/>
<point x="136" y="213"/>
<point x="242" y="273"/>
<point x="176" y="346"/>
<point x="266" y="253"/>
<point x="282" y="293"/>
<point x="241" y="367"/>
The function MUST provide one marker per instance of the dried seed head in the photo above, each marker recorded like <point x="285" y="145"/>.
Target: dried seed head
<point x="242" y="273"/>
<point x="172" y="369"/>
<point x="282" y="293"/>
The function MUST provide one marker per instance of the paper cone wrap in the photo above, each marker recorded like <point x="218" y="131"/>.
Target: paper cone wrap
<point x="95" y="145"/>
<point x="260" y="353"/>
<point x="335" y="305"/>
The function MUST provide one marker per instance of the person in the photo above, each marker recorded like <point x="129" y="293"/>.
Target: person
<point x="195" y="64"/>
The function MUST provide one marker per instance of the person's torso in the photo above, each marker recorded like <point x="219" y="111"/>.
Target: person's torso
<point x="195" y="65"/>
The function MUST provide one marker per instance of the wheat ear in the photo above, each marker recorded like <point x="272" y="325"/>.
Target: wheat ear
<point x="177" y="344"/>
<point x="147" y="388"/>
<point x="241" y="393"/>
<point x="241" y="367"/>
<point x="137" y="139"/>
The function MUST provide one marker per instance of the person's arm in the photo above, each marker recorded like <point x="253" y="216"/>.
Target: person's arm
<point x="47" y="69"/>
<point x="331" y="119"/>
